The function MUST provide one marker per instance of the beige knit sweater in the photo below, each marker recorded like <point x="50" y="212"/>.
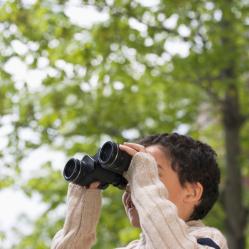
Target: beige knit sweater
<point x="160" y="224"/>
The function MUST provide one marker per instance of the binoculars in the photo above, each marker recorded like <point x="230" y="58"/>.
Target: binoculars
<point x="106" y="166"/>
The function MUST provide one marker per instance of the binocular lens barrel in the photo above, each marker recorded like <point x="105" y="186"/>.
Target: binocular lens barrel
<point x="114" y="159"/>
<point x="108" y="153"/>
<point x="72" y="169"/>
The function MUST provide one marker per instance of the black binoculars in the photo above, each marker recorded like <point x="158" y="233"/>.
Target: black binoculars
<point x="106" y="166"/>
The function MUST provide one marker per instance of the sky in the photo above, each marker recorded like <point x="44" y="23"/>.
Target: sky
<point x="84" y="17"/>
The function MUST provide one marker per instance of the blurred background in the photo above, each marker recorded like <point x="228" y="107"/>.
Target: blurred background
<point x="75" y="74"/>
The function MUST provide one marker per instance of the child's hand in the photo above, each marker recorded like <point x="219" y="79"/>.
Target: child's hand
<point x="132" y="148"/>
<point x="94" y="185"/>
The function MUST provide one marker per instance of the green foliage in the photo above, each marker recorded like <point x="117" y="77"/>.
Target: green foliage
<point x="117" y="79"/>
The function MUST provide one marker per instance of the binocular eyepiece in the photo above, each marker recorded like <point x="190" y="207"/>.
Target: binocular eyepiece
<point x="106" y="166"/>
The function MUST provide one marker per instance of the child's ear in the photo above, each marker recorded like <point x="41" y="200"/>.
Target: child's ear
<point x="193" y="192"/>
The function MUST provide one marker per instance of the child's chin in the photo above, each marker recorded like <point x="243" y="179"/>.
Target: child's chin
<point x="135" y="224"/>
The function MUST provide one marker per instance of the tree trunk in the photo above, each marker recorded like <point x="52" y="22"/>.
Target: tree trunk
<point x="233" y="199"/>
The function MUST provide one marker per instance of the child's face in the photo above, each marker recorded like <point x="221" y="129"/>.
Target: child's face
<point x="171" y="181"/>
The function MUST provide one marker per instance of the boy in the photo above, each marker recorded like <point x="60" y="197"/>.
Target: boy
<point x="173" y="183"/>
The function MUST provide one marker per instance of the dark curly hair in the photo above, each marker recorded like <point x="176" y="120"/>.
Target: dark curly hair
<point x="193" y="161"/>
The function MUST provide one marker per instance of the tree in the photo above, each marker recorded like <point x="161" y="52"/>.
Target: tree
<point x="123" y="78"/>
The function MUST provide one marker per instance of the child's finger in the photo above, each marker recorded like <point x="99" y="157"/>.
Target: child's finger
<point x="137" y="147"/>
<point x="128" y="149"/>
<point x="94" y="185"/>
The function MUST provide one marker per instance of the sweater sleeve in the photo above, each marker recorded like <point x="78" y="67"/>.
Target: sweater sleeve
<point x="83" y="210"/>
<point x="160" y="223"/>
